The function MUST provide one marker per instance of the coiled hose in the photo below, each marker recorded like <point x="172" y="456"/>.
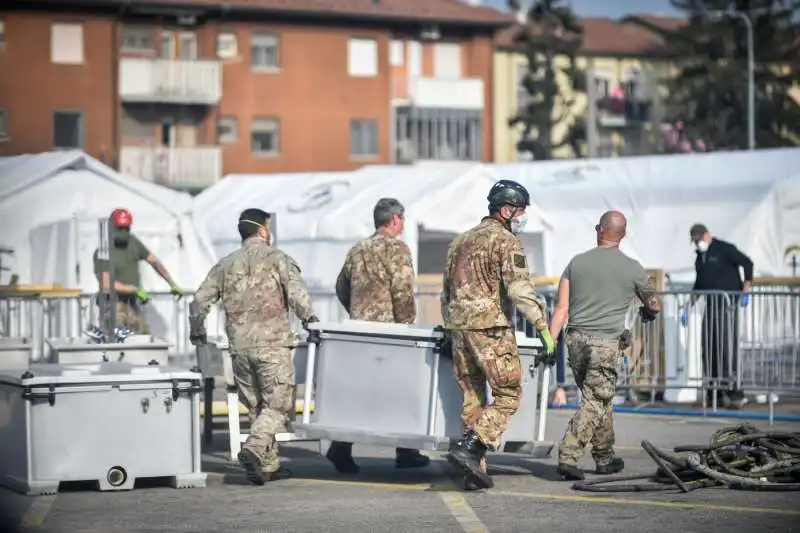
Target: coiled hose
<point x="741" y="457"/>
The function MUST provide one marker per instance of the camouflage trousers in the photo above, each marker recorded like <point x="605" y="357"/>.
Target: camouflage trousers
<point x="593" y="360"/>
<point x="481" y="357"/>
<point x="265" y="382"/>
<point x="131" y="316"/>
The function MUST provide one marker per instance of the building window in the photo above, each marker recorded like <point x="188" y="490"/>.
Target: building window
<point x="228" y="130"/>
<point x="264" y="51"/>
<point x="265" y="137"/>
<point x="364" y="138"/>
<point x="602" y="84"/>
<point x="447" y="60"/>
<point x="67" y="130"/>
<point x="362" y="57"/>
<point x="396" y="52"/>
<point x="66" y="44"/>
<point x="137" y="39"/>
<point x="2" y="34"/>
<point x="3" y="123"/>
<point x="440" y="134"/>
<point x="227" y="46"/>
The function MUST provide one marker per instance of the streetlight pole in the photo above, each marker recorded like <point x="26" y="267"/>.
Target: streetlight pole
<point x="751" y="67"/>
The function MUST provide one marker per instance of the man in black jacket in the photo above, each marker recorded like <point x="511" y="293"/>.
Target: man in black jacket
<point x="717" y="266"/>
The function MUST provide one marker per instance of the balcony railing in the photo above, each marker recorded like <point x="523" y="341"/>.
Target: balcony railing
<point x="441" y="93"/>
<point x="179" y="168"/>
<point x="621" y="112"/>
<point x="170" y="81"/>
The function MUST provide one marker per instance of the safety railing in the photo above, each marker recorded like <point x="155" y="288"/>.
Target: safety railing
<point x="700" y="342"/>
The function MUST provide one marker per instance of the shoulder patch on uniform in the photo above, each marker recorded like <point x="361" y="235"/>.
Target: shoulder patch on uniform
<point x="519" y="261"/>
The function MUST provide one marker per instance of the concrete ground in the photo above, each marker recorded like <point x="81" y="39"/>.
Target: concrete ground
<point x="528" y="496"/>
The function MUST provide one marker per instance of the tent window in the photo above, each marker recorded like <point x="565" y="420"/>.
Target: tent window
<point x="265" y="137"/>
<point x="364" y="138"/>
<point x="67" y="130"/>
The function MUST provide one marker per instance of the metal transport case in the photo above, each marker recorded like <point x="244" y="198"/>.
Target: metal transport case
<point x="15" y="354"/>
<point x="389" y="385"/>
<point x="136" y="350"/>
<point x="106" y="422"/>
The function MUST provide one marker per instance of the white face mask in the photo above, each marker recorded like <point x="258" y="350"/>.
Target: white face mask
<point x="519" y="224"/>
<point x="702" y="246"/>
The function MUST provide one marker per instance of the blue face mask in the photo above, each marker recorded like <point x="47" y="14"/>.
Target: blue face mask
<point x="702" y="246"/>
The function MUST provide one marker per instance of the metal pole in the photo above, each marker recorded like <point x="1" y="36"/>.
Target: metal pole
<point x="591" y="110"/>
<point x="751" y="90"/>
<point x="751" y="67"/>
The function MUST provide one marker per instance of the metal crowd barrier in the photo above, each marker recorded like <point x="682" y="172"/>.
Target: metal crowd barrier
<point x="754" y="347"/>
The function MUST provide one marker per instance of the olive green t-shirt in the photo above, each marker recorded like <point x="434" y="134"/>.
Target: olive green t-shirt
<point x="602" y="285"/>
<point x="125" y="261"/>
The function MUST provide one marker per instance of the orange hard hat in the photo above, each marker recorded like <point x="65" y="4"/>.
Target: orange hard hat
<point x="122" y="218"/>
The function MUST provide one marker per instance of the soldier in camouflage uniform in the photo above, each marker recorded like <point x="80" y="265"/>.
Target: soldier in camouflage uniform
<point x="376" y="283"/>
<point x="594" y="295"/>
<point x="258" y="285"/>
<point x="486" y="273"/>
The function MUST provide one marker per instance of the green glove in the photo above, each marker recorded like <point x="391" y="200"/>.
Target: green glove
<point x="547" y="340"/>
<point x="174" y="289"/>
<point x="142" y="295"/>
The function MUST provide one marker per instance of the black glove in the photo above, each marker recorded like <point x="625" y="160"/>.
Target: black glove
<point x="647" y="314"/>
<point x="547" y="358"/>
<point x="313" y="336"/>
<point x="198" y="337"/>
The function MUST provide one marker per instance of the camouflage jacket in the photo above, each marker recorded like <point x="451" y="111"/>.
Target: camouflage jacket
<point x="486" y="274"/>
<point x="257" y="286"/>
<point x="377" y="280"/>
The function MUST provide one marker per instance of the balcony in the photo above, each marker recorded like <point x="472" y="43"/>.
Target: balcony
<point x="178" y="168"/>
<point x="623" y="112"/>
<point x="171" y="81"/>
<point x="439" y="93"/>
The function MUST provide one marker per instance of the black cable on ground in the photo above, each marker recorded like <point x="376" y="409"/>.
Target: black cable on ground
<point x="740" y="457"/>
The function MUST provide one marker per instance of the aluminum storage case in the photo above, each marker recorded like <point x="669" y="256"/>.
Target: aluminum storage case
<point x="106" y="422"/>
<point x="389" y="384"/>
<point x="136" y="350"/>
<point x="15" y="354"/>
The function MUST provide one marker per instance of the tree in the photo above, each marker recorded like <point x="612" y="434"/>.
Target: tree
<point x="549" y="32"/>
<point x="709" y="95"/>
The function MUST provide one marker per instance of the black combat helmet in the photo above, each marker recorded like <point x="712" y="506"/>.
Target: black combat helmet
<point x="507" y="192"/>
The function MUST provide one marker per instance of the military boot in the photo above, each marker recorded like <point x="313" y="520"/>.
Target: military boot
<point x="341" y="455"/>
<point x="252" y="467"/>
<point x="570" y="472"/>
<point x="467" y="455"/>
<point x="277" y="475"/>
<point x="405" y="458"/>
<point x="616" y="465"/>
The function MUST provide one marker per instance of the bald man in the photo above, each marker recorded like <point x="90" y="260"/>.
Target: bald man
<point x="594" y="295"/>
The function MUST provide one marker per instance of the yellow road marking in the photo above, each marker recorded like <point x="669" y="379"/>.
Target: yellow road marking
<point x="646" y="503"/>
<point x="38" y="511"/>
<point x="449" y="488"/>
<point x="457" y="504"/>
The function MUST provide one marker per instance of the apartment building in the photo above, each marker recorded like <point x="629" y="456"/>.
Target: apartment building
<point x="183" y="93"/>
<point x="625" y="60"/>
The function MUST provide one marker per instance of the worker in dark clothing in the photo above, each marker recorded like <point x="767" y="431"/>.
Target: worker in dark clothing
<point x="717" y="266"/>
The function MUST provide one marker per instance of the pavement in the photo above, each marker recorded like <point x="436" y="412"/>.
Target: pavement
<point x="528" y="496"/>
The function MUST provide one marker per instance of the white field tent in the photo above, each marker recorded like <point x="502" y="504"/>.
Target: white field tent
<point x="320" y="216"/>
<point x="50" y="208"/>
<point x="748" y="198"/>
